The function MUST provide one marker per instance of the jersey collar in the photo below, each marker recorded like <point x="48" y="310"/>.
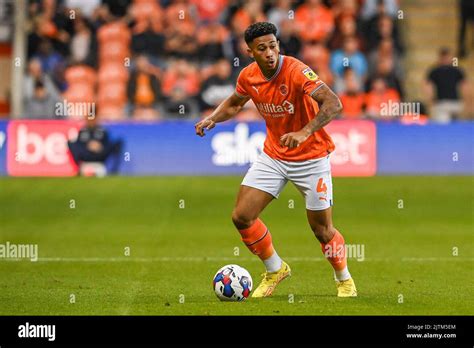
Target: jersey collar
<point x="280" y="64"/>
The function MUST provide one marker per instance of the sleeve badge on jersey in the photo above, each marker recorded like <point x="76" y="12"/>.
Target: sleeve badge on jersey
<point x="310" y="74"/>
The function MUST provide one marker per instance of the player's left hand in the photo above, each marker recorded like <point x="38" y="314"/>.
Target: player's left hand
<point x="293" y="139"/>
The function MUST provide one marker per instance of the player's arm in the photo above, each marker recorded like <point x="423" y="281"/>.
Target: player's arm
<point x="225" y="111"/>
<point x="329" y="107"/>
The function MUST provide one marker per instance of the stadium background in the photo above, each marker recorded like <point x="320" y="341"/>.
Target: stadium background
<point x="166" y="62"/>
<point x="150" y="69"/>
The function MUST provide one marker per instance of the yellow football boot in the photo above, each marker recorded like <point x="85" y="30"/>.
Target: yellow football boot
<point x="346" y="288"/>
<point x="271" y="280"/>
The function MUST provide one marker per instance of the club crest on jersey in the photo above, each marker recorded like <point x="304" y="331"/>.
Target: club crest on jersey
<point x="310" y="74"/>
<point x="283" y="89"/>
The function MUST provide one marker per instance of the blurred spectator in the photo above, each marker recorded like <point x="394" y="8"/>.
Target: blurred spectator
<point x="466" y="13"/>
<point x="86" y="8"/>
<point x="345" y="8"/>
<point x="35" y="73"/>
<point x="101" y="16"/>
<point x="50" y="60"/>
<point x="144" y="13"/>
<point x="371" y="8"/>
<point x="251" y="12"/>
<point x="420" y="118"/>
<point x="314" y="20"/>
<point x="179" y="12"/>
<point x="384" y="27"/>
<point x="211" y="40"/>
<point x="183" y="75"/>
<point x="189" y="41"/>
<point x="290" y="44"/>
<point x="210" y="11"/>
<point x="54" y="23"/>
<point x="378" y="97"/>
<point x="179" y="105"/>
<point x="181" y="41"/>
<point x="340" y="82"/>
<point x="240" y="53"/>
<point x="117" y="8"/>
<point x="384" y="69"/>
<point x="218" y="86"/>
<point x="352" y="98"/>
<point x="346" y="27"/>
<point x="143" y="86"/>
<point x="33" y="39"/>
<point x="83" y="43"/>
<point x="385" y="51"/>
<point x="443" y="85"/>
<point x="317" y="57"/>
<point x="280" y="13"/>
<point x="42" y="105"/>
<point x="349" y="55"/>
<point x="93" y="144"/>
<point x="145" y="40"/>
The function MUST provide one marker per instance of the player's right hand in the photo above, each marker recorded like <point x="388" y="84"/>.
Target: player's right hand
<point x="204" y="124"/>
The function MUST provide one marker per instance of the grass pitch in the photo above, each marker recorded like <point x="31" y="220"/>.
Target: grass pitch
<point x="417" y="235"/>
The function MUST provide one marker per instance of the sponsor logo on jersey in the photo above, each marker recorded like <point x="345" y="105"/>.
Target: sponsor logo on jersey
<point x="276" y="110"/>
<point x="310" y="74"/>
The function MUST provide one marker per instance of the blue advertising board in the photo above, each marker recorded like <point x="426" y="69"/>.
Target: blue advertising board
<point x="172" y="148"/>
<point x="427" y="149"/>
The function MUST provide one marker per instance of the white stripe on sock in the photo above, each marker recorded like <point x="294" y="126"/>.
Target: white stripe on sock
<point x="342" y="274"/>
<point x="273" y="263"/>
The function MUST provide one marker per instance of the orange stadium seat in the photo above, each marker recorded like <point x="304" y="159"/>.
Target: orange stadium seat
<point x="113" y="92"/>
<point x="114" y="51"/>
<point x="110" y="112"/>
<point x="114" y="48"/>
<point x="80" y="74"/>
<point x="79" y="92"/>
<point x="113" y="72"/>
<point x="115" y="31"/>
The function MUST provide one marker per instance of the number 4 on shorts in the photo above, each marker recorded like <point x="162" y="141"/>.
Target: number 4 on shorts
<point x="321" y="187"/>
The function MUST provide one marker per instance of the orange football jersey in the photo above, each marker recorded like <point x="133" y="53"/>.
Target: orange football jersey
<point x="285" y="102"/>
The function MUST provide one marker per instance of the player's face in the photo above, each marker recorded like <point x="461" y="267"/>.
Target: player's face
<point x="265" y="51"/>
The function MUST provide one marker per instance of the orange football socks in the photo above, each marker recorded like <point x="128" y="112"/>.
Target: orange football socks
<point x="335" y="253"/>
<point x="259" y="241"/>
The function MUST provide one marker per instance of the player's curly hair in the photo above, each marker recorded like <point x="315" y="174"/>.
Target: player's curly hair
<point x="259" y="29"/>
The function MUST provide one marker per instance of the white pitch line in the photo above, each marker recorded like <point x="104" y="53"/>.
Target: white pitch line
<point x="229" y="259"/>
<point x="434" y="259"/>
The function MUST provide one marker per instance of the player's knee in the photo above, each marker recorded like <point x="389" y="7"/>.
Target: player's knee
<point x="242" y="220"/>
<point x="324" y="233"/>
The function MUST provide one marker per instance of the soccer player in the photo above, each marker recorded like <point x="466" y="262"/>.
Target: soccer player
<point x="296" y="105"/>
